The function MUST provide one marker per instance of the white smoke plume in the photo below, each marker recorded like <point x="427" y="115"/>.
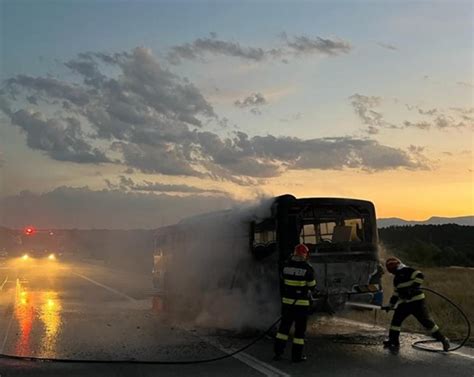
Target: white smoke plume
<point x="214" y="281"/>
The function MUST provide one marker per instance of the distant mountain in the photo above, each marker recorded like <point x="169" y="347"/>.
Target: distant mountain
<point x="434" y="220"/>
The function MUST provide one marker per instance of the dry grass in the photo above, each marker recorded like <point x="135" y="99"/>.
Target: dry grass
<point x="455" y="283"/>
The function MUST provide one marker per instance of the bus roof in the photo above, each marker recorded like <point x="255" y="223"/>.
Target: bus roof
<point x="329" y="201"/>
<point x="310" y="200"/>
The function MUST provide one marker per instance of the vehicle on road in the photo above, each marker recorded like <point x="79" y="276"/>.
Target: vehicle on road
<point x="39" y="254"/>
<point x="340" y="233"/>
<point x="39" y="244"/>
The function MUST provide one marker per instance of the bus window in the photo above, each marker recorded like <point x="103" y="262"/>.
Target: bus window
<point x="308" y="234"/>
<point x="326" y="231"/>
<point x="313" y="234"/>
<point x="264" y="242"/>
<point x="357" y="233"/>
<point x="264" y="237"/>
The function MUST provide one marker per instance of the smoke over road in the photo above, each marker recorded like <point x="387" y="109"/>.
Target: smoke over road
<point x="214" y="281"/>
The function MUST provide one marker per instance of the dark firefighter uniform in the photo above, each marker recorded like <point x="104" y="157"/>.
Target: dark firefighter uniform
<point x="408" y="299"/>
<point x="297" y="281"/>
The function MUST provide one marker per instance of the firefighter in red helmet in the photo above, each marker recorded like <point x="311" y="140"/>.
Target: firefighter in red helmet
<point x="408" y="299"/>
<point x="297" y="282"/>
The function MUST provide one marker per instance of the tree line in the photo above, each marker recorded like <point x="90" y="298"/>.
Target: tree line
<point x="431" y="245"/>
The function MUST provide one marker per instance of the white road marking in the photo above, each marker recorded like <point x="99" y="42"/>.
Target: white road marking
<point x="253" y="362"/>
<point x="110" y="289"/>
<point x="7" y="331"/>
<point x="259" y="365"/>
<point x="4" y="282"/>
<point x="462" y="354"/>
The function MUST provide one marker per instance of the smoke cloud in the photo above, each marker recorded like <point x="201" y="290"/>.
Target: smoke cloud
<point x="212" y="280"/>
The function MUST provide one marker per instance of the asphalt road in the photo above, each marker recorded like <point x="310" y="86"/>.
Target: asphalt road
<point x="55" y="309"/>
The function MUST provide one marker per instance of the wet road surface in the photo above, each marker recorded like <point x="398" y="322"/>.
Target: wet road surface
<point x="75" y="310"/>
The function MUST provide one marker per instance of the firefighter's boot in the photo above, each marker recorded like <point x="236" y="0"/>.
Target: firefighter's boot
<point x="392" y="344"/>
<point x="444" y="341"/>
<point x="446" y="344"/>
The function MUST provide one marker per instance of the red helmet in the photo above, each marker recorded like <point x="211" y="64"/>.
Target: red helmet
<point x="392" y="264"/>
<point x="301" y="250"/>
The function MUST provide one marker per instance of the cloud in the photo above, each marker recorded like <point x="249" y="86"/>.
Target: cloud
<point x="127" y="109"/>
<point x="427" y="112"/>
<point x="51" y="88"/>
<point x="143" y="106"/>
<point x="442" y="122"/>
<point x="387" y="46"/>
<point x="199" y="47"/>
<point x="465" y="113"/>
<point x="303" y="45"/>
<point x="465" y="84"/>
<point x="364" y="108"/>
<point x="127" y="183"/>
<point x="93" y="209"/>
<point x="254" y="100"/>
<point x="423" y="125"/>
<point x="337" y="153"/>
<point x="61" y="139"/>
<point x="168" y="159"/>
<point x="288" y="47"/>
<point x="367" y="109"/>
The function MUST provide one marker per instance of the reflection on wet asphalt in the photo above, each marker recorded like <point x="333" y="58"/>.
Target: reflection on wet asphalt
<point x="71" y="312"/>
<point x="36" y="308"/>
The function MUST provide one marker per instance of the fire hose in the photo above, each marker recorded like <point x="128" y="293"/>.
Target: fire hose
<point x="419" y="345"/>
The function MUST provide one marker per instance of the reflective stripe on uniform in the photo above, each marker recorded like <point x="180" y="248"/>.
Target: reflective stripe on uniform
<point x="292" y="301"/>
<point x="406" y="284"/>
<point x="434" y="329"/>
<point x="281" y="336"/>
<point x="295" y="283"/>
<point x="395" y="328"/>
<point x="421" y="296"/>
<point x="413" y="275"/>
<point x="298" y="341"/>
<point x="311" y="283"/>
<point x="418" y="280"/>
<point x="395" y="294"/>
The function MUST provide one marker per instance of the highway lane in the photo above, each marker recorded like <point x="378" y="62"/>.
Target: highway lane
<point x="78" y="311"/>
<point x="83" y="311"/>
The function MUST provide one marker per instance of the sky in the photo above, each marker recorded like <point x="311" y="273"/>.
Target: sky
<point x="130" y="114"/>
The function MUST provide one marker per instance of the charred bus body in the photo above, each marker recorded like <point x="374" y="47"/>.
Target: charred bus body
<point x="342" y="237"/>
<point x="340" y="233"/>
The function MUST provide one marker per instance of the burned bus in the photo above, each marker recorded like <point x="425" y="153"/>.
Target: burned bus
<point x="240" y="248"/>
